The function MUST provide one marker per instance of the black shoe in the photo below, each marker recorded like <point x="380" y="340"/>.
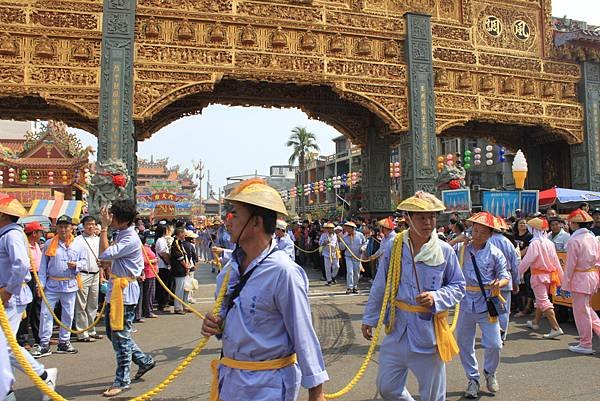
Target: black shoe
<point x="355" y="290"/>
<point x="349" y="291"/>
<point x="328" y="284"/>
<point x="44" y="350"/>
<point x="144" y="369"/>
<point x="66" y="348"/>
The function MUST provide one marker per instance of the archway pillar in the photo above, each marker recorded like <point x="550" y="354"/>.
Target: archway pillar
<point x="417" y="148"/>
<point x="375" y="159"/>
<point x="116" y="134"/>
<point x="585" y="157"/>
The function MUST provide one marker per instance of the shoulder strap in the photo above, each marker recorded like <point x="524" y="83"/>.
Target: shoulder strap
<point x="231" y="297"/>
<point x="9" y="230"/>
<point x="478" y="274"/>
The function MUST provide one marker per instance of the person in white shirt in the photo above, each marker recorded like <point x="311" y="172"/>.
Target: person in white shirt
<point x="86" y="303"/>
<point x="557" y="234"/>
<point x="283" y="240"/>
<point x="163" y="252"/>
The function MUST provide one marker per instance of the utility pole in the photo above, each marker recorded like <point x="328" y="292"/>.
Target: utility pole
<point x="199" y="169"/>
<point x="208" y="185"/>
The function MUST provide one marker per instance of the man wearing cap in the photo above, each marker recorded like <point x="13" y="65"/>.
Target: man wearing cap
<point x="270" y="347"/>
<point x="512" y="259"/>
<point x="62" y="260"/>
<point x="14" y="291"/>
<point x="581" y="278"/>
<point x="389" y="235"/>
<point x="284" y="242"/>
<point x="34" y="232"/>
<point x="123" y="292"/>
<point x="430" y="283"/>
<point x="484" y="268"/>
<point x="329" y="245"/>
<point x="353" y="243"/>
<point x="557" y="234"/>
<point x="86" y="305"/>
<point x="546" y="275"/>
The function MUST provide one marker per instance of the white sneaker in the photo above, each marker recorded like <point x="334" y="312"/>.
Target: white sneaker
<point x="472" y="389"/>
<point x="50" y="381"/>
<point x="491" y="382"/>
<point x="581" y="350"/>
<point x="554" y="333"/>
<point x="532" y="326"/>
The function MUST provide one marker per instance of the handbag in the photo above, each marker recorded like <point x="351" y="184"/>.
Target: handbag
<point x="493" y="303"/>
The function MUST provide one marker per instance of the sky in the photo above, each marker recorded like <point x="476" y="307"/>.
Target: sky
<point x="234" y="141"/>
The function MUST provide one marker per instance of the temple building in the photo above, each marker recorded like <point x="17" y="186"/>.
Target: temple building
<point x="43" y="161"/>
<point x="165" y="192"/>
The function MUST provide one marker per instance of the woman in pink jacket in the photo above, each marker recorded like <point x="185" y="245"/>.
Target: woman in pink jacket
<point x="546" y="275"/>
<point x="582" y="278"/>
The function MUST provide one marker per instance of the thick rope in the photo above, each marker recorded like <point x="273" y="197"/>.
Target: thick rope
<point x="305" y="251"/>
<point x="374" y="341"/>
<point x="12" y="342"/>
<point x="461" y="258"/>
<point x="51" y="309"/>
<point x="351" y="253"/>
<point x="166" y="288"/>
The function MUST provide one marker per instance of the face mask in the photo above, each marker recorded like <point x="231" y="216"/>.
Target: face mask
<point x="150" y="241"/>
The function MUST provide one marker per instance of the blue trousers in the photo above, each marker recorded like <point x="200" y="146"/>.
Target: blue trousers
<point x="125" y="348"/>
<point x="396" y="359"/>
<point x="15" y="314"/>
<point x="67" y="302"/>
<point x="352" y="272"/>
<point x="490" y="341"/>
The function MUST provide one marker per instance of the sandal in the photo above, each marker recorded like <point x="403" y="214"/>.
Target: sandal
<point x="114" y="391"/>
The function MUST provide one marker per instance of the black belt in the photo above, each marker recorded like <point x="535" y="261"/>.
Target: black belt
<point x="83" y="271"/>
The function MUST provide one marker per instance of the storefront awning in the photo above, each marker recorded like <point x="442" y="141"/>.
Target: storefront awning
<point x="56" y="208"/>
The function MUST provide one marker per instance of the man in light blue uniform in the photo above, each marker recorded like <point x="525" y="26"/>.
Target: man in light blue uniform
<point x="62" y="259"/>
<point x="353" y="242"/>
<point x="123" y="292"/>
<point x="14" y="291"/>
<point x="389" y="235"/>
<point x="430" y="279"/>
<point x="284" y="242"/>
<point x="512" y="259"/>
<point x="329" y="245"/>
<point x="473" y="308"/>
<point x="265" y="321"/>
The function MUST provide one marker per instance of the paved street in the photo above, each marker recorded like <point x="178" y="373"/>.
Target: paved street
<point x="531" y="368"/>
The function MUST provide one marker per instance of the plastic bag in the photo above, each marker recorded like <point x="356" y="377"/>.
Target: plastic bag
<point x="188" y="283"/>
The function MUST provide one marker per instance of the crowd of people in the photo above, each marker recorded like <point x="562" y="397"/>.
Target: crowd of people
<point x="418" y="272"/>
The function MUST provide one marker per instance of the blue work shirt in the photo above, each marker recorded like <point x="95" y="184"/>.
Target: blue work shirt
<point x="492" y="265"/>
<point x="127" y="261"/>
<point x="56" y="266"/>
<point x="271" y="319"/>
<point x="355" y="243"/>
<point x="285" y="244"/>
<point x="14" y="264"/>
<point x="512" y="259"/>
<point x="380" y="254"/>
<point x="444" y="280"/>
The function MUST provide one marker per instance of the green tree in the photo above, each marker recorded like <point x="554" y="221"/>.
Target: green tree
<point x="302" y="142"/>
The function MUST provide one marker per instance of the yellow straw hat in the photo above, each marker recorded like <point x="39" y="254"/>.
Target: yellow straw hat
<point x="255" y="191"/>
<point x="328" y="225"/>
<point x="539" y="223"/>
<point x="350" y="224"/>
<point x="421" y="202"/>
<point x="12" y="207"/>
<point x="190" y="234"/>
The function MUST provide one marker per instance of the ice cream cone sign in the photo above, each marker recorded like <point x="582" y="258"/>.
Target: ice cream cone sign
<point x="519" y="170"/>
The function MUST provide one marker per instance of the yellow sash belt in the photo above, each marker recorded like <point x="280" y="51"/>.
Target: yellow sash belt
<point x="117" y="306"/>
<point x="590" y="269"/>
<point x="446" y="343"/>
<point x="245" y="365"/>
<point x="475" y="288"/>
<point x="554" y="278"/>
<point x="77" y="277"/>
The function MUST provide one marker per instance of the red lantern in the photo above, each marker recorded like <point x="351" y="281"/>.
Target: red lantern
<point x="454" y="184"/>
<point x="119" y="180"/>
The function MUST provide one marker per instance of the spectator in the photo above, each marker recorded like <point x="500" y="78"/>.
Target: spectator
<point x="525" y="296"/>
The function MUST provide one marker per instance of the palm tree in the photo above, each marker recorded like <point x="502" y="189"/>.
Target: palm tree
<point x="302" y="143"/>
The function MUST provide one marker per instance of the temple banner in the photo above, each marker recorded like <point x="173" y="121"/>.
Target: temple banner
<point x="458" y="200"/>
<point x="164" y="204"/>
